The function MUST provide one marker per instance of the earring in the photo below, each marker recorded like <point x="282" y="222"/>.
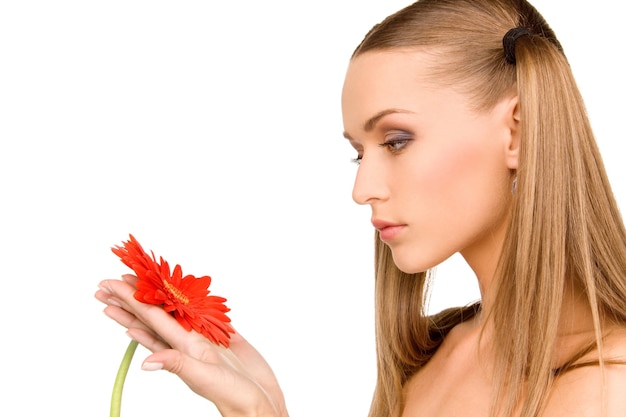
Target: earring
<point x="514" y="188"/>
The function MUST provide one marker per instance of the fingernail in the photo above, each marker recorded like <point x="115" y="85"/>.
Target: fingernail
<point x="113" y="302"/>
<point x="105" y="289"/>
<point x="152" y="366"/>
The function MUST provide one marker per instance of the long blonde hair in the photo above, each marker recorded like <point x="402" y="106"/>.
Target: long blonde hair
<point x="564" y="217"/>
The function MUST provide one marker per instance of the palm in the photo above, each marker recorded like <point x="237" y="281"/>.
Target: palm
<point x="237" y="379"/>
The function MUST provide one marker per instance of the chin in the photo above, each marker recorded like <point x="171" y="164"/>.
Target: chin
<point x="411" y="264"/>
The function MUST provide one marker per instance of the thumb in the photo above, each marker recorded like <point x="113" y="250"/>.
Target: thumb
<point x="205" y="379"/>
<point x="232" y="391"/>
<point x="168" y="359"/>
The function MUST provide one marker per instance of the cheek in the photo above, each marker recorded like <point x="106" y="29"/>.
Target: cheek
<point x="459" y="182"/>
<point x="449" y="170"/>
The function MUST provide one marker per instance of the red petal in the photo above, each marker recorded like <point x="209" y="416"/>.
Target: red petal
<point x="195" y="309"/>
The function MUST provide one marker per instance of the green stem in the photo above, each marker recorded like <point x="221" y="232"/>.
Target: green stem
<point x="118" y="386"/>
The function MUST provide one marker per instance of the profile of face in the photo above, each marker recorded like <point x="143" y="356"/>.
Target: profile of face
<point x="436" y="173"/>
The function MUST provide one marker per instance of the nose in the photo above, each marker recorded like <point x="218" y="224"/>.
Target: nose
<point x="369" y="185"/>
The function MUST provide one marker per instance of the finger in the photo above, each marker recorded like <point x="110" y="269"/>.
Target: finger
<point x="122" y="290"/>
<point x="147" y="339"/>
<point x="239" y="344"/>
<point x="109" y="292"/>
<point x="131" y="322"/>
<point x="130" y="279"/>
<point x="124" y="318"/>
<point x="115" y="311"/>
<point x="256" y="365"/>
<point x="249" y="356"/>
<point x="106" y="298"/>
<point x="105" y="295"/>
<point x="153" y="317"/>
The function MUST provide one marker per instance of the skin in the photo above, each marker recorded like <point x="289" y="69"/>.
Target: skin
<point x="445" y="173"/>
<point x="442" y="173"/>
<point x="237" y="380"/>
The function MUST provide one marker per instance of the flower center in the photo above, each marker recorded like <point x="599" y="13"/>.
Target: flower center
<point x="178" y="294"/>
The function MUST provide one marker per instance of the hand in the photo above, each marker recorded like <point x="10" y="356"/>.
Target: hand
<point x="236" y="379"/>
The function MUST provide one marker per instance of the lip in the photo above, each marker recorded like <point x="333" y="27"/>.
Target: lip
<point x="387" y="230"/>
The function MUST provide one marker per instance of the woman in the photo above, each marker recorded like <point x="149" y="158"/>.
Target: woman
<point x="471" y="137"/>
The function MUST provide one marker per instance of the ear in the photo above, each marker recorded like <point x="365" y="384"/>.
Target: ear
<point x="512" y="137"/>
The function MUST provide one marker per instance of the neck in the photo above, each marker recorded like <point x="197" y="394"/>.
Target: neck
<point x="483" y="259"/>
<point x="576" y="329"/>
<point x="576" y="326"/>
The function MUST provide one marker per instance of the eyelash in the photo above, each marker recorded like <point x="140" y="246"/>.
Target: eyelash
<point x="393" y="145"/>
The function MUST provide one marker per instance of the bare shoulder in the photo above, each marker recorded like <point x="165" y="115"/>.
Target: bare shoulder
<point x="589" y="392"/>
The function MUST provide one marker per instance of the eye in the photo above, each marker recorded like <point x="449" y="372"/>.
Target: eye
<point x="395" y="143"/>
<point x="359" y="152"/>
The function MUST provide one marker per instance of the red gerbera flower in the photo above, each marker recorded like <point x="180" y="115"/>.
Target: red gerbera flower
<point x="185" y="297"/>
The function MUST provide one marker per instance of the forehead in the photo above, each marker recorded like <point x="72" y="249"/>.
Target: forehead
<point x="381" y="73"/>
<point x="398" y="79"/>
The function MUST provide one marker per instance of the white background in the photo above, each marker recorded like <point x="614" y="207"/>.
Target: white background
<point x="212" y="132"/>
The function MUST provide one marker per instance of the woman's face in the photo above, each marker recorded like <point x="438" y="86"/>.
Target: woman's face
<point x="436" y="173"/>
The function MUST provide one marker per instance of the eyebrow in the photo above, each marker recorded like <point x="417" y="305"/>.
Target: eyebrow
<point x="370" y="124"/>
